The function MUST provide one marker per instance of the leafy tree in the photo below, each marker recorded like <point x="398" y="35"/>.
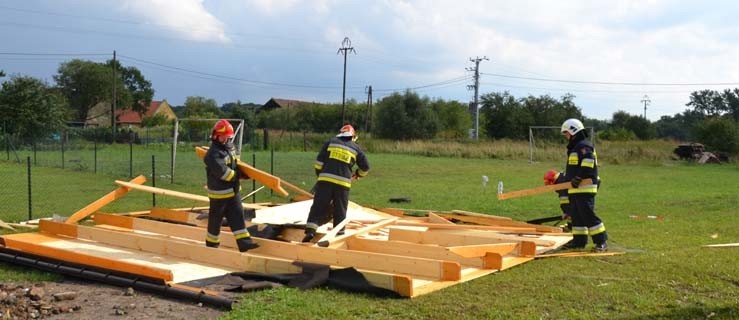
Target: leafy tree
<point x="30" y="108"/>
<point x="239" y="110"/>
<point x="680" y="126"/>
<point x="87" y="83"/>
<point x="714" y="103"/>
<point x="2" y="74"/>
<point x="201" y="107"/>
<point x="508" y="117"/>
<point x="405" y="116"/>
<point x="155" y="120"/>
<point x="453" y="117"/>
<point x="642" y="128"/>
<point x="719" y="134"/>
<point x="137" y="86"/>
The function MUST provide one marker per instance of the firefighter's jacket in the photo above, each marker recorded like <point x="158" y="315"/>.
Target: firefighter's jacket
<point x="582" y="161"/>
<point x="222" y="171"/>
<point x="337" y="158"/>
<point x="564" y="199"/>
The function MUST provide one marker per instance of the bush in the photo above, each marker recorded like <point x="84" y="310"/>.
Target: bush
<point x="719" y="134"/>
<point x="617" y="134"/>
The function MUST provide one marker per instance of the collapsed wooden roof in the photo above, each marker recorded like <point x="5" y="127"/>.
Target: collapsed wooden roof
<point x="408" y="255"/>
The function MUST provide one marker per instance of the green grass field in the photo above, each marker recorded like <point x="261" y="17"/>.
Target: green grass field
<point x="665" y="274"/>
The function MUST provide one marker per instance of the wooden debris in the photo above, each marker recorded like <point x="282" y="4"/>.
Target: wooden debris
<point x="5" y="225"/>
<point x="724" y="245"/>
<point x="105" y="200"/>
<point x="264" y="178"/>
<point x="542" y="189"/>
<point x="579" y="254"/>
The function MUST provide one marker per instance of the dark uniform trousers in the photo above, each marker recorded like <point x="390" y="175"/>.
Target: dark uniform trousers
<point x="328" y="193"/>
<point x="234" y="213"/>
<point x="584" y="220"/>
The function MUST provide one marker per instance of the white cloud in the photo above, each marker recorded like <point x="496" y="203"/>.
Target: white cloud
<point x="188" y="18"/>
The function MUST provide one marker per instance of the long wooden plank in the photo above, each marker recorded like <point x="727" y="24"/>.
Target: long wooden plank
<point x="579" y="254"/>
<point x="105" y="200"/>
<point x="264" y="178"/>
<point x="723" y="245"/>
<point x="500" y="222"/>
<point x="464" y="226"/>
<point x="164" y="192"/>
<point x="177" y="216"/>
<point x="428" y="268"/>
<point x="450" y="238"/>
<point x="542" y="189"/>
<point x="5" y="225"/>
<point x="403" y="284"/>
<point x="420" y="250"/>
<point x="337" y="241"/>
<point x="34" y="243"/>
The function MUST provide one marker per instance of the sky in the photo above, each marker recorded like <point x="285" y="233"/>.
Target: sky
<point x="608" y="54"/>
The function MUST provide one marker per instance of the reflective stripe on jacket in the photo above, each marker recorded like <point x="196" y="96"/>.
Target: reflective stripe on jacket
<point x="582" y="161"/>
<point x="222" y="171"/>
<point x="336" y="159"/>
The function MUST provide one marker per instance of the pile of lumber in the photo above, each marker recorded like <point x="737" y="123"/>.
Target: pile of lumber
<point x="411" y="256"/>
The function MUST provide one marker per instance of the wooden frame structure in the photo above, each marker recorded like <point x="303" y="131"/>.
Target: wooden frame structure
<point x="408" y="255"/>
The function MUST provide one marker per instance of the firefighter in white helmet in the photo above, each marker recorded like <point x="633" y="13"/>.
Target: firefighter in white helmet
<point x="334" y="170"/>
<point x="582" y="163"/>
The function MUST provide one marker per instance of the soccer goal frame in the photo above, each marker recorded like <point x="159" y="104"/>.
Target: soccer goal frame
<point x="531" y="137"/>
<point x="238" y="134"/>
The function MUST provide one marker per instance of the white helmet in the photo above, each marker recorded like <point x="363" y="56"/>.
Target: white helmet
<point x="572" y="126"/>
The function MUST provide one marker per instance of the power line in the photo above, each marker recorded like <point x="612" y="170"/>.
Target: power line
<point x="52" y="54"/>
<point x="614" y="83"/>
<point x="279" y="84"/>
<point x="456" y="80"/>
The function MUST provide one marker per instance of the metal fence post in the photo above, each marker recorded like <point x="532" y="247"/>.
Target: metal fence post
<point x="95" y="154"/>
<point x="153" y="180"/>
<point x="130" y="158"/>
<point x="254" y="182"/>
<point x="30" y="214"/>
<point x="272" y="166"/>
<point x="34" y="151"/>
<point x="62" y="139"/>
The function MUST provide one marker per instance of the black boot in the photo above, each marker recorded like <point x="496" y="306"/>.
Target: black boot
<point x="246" y="244"/>
<point x="309" y="234"/>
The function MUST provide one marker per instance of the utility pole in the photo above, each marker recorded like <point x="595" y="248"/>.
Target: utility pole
<point x="113" y="103"/>
<point x="368" y="118"/>
<point x="646" y="102"/>
<point x="346" y="47"/>
<point x="476" y="87"/>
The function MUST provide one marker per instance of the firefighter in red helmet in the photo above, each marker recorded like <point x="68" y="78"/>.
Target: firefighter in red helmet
<point x="333" y="167"/>
<point x="553" y="177"/>
<point x="224" y="189"/>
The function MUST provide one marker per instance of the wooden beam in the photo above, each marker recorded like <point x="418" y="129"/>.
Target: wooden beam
<point x="264" y="178"/>
<point x="435" y="218"/>
<point x="481" y="215"/>
<point x="105" y="200"/>
<point x="421" y="251"/>
<point x="464" y="226"/>
<point x="177" y="216"/>
<point x="5" y="225"/>
<point x="332" y="234"/>
<point x="723" y="245"/>
<point x="493" y="221"/>
<point x="164" y="192"/>
<point x="542" y="189"/>
<point x="579" y="254"/>
<point x="451" y="238"/>
<point x="427" y="268"/>
<point x="479" y="250"/>
<point x="337" y="241"/>
<point x="34" y="243"/>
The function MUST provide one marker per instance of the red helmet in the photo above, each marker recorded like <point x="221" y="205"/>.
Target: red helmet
<point x="222" y="128"/>
<point x="347" y="131"/>
<point x="550" y="177"/>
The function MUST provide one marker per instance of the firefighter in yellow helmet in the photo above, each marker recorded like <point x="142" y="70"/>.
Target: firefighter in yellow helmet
<point x="333" y="167"/>
<point x="582" y="163"/>
<point x="224" y="189"/>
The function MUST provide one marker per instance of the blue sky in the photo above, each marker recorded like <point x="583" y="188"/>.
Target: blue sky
<point x="251" y="50"/>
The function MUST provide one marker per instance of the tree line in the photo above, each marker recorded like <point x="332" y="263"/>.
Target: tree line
<point x="33" y="108"/>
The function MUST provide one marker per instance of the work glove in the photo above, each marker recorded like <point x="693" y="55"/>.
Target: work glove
<point x="576" y="182"/>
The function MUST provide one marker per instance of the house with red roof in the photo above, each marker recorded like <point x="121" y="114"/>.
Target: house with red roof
<point x="99" y="115"/>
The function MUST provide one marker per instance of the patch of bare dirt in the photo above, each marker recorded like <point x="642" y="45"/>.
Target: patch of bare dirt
<point x="79" y="300"/>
